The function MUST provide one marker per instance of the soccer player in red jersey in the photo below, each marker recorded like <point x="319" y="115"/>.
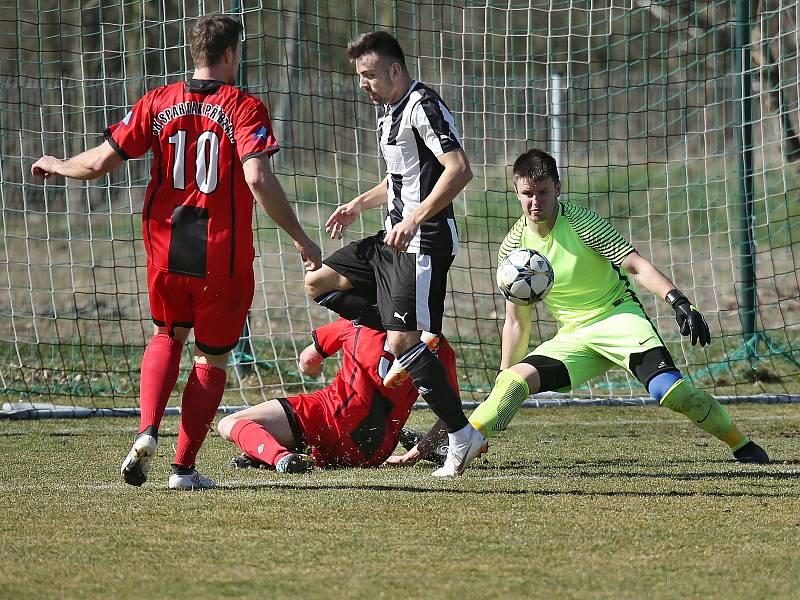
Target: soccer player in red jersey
<point x="355" y="421"/>
<point x="211" y="144"/>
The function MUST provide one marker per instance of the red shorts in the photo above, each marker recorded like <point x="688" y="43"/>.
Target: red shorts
<point x="332" y="445"/>
<point x="216" y="308"/>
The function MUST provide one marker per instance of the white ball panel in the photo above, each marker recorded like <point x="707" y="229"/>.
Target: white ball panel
<point x="540" y="283"/>
<point x="518" y="258"/>
<point x="506" y="275"/>
<point x="520" y="289"/>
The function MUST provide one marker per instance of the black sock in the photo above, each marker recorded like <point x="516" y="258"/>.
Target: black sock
<point x="430" y="379"/>
<point x="181" y="470"/>
<point x="151" y="430"/>
<point x="352" y="306"/>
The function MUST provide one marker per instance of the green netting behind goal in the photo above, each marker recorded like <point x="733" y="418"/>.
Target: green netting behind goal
<point x="677" y="121"/>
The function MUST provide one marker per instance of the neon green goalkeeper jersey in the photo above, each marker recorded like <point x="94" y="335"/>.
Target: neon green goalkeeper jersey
<point x="586" y="253"/>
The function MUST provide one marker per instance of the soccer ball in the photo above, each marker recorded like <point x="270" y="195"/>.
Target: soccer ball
<point x="524" y="277"/>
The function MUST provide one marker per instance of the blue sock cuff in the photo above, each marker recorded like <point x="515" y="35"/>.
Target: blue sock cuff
<point x="660" y="384"/>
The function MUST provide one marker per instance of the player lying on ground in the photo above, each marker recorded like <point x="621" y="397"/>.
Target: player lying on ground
<point x="354" y="422"/>
<point x="211" y="144"/>
<point x="602" y="323"/>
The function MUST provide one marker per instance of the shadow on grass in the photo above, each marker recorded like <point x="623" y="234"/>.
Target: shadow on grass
<point x="630" y="462"/>
<point x="617" y="463"/>
<point x="692" y="476"/>
<point x="748" y="471"/>
<point x="327" y="487"/>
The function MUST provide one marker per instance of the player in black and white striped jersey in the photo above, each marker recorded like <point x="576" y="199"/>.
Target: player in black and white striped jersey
<point x="397" y="279"/>
<point x="414" y="132"/>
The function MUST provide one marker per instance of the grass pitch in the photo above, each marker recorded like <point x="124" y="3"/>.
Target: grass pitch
<point x="570" y="503"/>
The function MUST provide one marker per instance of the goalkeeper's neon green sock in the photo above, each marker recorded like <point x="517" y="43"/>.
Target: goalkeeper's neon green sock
<point x="493" y="414"/>
<point x="705" y="412"/>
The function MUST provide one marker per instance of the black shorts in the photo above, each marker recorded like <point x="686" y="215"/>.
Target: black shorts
<point x="297" y="431"/>
<point x="409" y="289"/>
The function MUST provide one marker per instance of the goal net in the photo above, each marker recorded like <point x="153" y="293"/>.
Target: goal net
<point x="677" y="121"/>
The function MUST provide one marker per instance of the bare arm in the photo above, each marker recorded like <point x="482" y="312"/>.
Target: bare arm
<point x="346" y="214"/>
<point x="431" y="440"/>
<point x="516" y="334"/>
<point x="376" y="196"/>
<point x="457" y="173"/>
<point x="435" y="436"/>
<point x="311" y="361"/>
<point x="644" y="273"/>
<point x="91" y="164"/>
<point x="269" y="194"/>
<point x="690" y="321"/>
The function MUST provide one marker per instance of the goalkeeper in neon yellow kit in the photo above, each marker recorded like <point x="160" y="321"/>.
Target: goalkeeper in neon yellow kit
<point x="602" y="323"/>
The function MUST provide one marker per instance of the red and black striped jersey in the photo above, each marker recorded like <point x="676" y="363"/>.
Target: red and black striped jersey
<point x="361" y="408"/>
<point x="198" y="208"/>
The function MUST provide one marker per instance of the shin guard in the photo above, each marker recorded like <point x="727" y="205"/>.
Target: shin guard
<point x="201" y="398"/>
<point x="430" y="379"/>
<point x="705" y="412"/>
<point x="159" y="372"/>
<point x="256" y="442"/>
<point x="493" y="414"/>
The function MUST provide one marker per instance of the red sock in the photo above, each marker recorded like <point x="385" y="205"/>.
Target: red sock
<point x="257" y="442"/>
<point x="201" y="398"/>
<point x="160" y="364"/>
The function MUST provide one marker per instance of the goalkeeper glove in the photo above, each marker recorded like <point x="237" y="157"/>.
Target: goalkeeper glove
<point x="689" y="319"/>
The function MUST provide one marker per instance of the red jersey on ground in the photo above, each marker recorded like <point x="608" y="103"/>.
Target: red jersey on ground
<point x="356" y="421"/>
<point x="197" y="215"/>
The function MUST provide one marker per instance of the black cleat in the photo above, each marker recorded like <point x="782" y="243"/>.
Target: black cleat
<point x="294" y="463"/>
<point x="410" y="438"/>
<point x="245" y="462"/>
<point x="438" y="455"/>
<point x="751" y="453"/>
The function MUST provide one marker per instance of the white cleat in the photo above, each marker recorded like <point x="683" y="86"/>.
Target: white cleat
<point x="193" y="481"/>
<point x="397" y="375"/>
<point x="137" y="464"/>
<point x="460" y="455"/>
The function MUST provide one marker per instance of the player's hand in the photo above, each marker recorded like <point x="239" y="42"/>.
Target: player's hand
<point x="45" y="167"/>
<point x="344" y="216"/>
<point x="400" y="236"/>
<point x="690" y="321"/>
<point x="408" y="459"/>
<point x="310" y="253"/>
<point x="311" y="362"/>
